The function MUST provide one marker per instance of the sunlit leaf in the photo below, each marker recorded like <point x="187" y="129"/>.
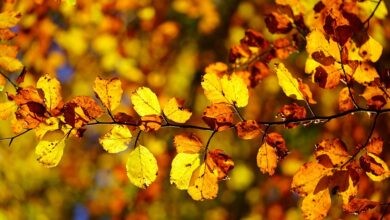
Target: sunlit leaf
<point x="145" y="102"/>
<point x="219" y="163"/>
<point x="183" y="165"/>
<point x="51" y="88"/>
<point x="371" y="50"/>
<point x="334" y="149"/>
<point x="9" y="19"/>
<point x="212" y="87"/>
<point x="235" y="90"/>
<point x="116" y="140"/>
<point x="174" y="111"/>
<point x="203" y="184"/>
<point x="288" y="83"/>
<point x="109" y="92"/>
<point x="141" y="167"/>
<point x="316" y="205"/>
<point x="50" y="148"/>
<point x="267" y="159"/>
<point x="150" y="123"/>
<point x="10" y="64"/>
<point x="360" y="205"/>
<point x="218" y="116"/>
<point x="345" y="102"/>
<point x="375" y="168"/>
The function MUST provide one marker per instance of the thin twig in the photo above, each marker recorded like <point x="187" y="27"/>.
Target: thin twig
<point x="238" y="113"/>
<point x="136" y="139"/>
<point x="206" y="149"/>
<point x="346" y="78"/>
<point x="372" y="13"/>
<point x="9" y="80"/>
<point x="15" y="136"/>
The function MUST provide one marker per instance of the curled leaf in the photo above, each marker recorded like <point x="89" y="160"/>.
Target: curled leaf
<point x="174" y="111"/>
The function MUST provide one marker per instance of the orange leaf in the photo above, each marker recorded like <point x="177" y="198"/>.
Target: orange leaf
<point x="218" y="116"/>
<point x="316" y="205"/>
<point x="292" y="112"/>
<point x="267" y="159"/>
<point x="276" y="140"/>
<point x="81" y="110"/>
<point x="305" y="90"/>
<point x="345" y="101"/>
<point x="187" y="143"/>
<point x="248" y="129"/>
<point x="218" y="161"/>
<point x="203" y="184"/>
<point x="334" y="149"/>
<point x="150" y="123"/>
<point x="375" y="145"/>
<point x="359" y="205"/>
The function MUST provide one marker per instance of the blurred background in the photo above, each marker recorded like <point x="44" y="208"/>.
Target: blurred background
<point x="165" y="45"/>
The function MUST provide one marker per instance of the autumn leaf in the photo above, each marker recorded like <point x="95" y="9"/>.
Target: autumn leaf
<point x="248" y="129"/>
<point x="50" y="148"/>
<point x="288" y="83"/>
<point x="276" y="140"/>
<point x="345" y="102"/>
<point x="183" y="165"/>
<point x="141" y="167"/>
<point x="174" y="111"/>
<point x="81" y="110"/>
<point x="374" y="97"/>
<point x="203" y="184"/>
<point x="334" y="149"/>
<point x="187" y="143"/>
<point x="235" y="90"/>
<point x="307" y="178"/>
<point x="375" y="145"/>
<point x="316" y="205"/>
<point x="116" y="140"/>
<point x="212" y="87"/>
<point x="51" y="88"/>
<point x="371" y="50"/>
<point x="292" y="112"/>
<point x="305" y="90"/>
<point x="357" y="205"/>
<point x="365" y="73"/>
<point x="346" y="183"/>
<point x="145" y="102"/>
<point x="150" y="123"/>
<point x="218" y="116"/>
<point x="375" y="168"/>
<point x="267" y="159"/>
<point x="219" y="163"/>
<point x="109" y="92"/>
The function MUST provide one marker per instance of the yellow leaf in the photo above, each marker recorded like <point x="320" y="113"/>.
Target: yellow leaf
<point x="183" y="165"/>
<point x="141" y="167"/>
<point x="235" y="90"/>
<point x="145" y="102"/>
<point x="109" y="92"/>
<point x="267" y="159"/>
<point x="288" y="83"/>
<point x="6" y="109"/>
<point x="369" y="6"/>
<point x="212" y="87"/>
<point x="117" y="139"/>
<point x="307" y="178"/>
<point x="316" y="205"/>
<point x="203" y="184"/>
<point x="10" y="64"/>
<point x="9" y="19"/>
<point x="371" y="50"/>
<point x="51" y="88"/>
<point x="384" y="167"/>
<point x="50" y="148"/>
<point x="50" y="124"/>
<point x="187" y="143"/>
<point x="365" y="73"/>
<point x="175" y="112"/>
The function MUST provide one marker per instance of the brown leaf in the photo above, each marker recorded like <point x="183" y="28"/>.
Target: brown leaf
<point x="292" y="112"/>
<point x="6" y="34"/>
<point x="326" y="78"/>
<point x="81" y="110"/>
<point x="253" y="38"/>
<point x="218" y="161"/>
<point x="150" y="123"/>
<point x="320" y="57"/>
<point x="278" y="23"/>
<point x="369" y="165"/>
<point x="375" y="145"/>
<point x="359" y="205"/>
<point x="259" y="70"/>
<point x="218" y="116"/>
<point x="248" y="129"/>
<point x="374" y="97"/>
<point x="239" y="54"/>
<point x="276" y="140"/>
<point x="123" y="117"/>
<point x="283" y="48"/>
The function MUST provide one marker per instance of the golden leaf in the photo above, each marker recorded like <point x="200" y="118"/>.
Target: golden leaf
<point x="203" y="184"/>
<point x="183" y="165"/>
<point x="145" y="102"/>
<point x="9" y="19"/>
<point x="10" y="64"/>
<point x="51" y="88"/>
<point x="235" y="90"/>
<point x="117" y="139"/>
<point x="141" y="167"/>
<point x="267" y="159"/>
<point x="109" y="92"/>
<point x="50" y="148"/>
<point x="175" y="111"/>
<point x="6" y="109"/>
<point x="288" y="83"/>
<point x="316" y="205"/>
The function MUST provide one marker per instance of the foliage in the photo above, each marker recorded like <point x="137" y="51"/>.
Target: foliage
<point x="139" y="45"/>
